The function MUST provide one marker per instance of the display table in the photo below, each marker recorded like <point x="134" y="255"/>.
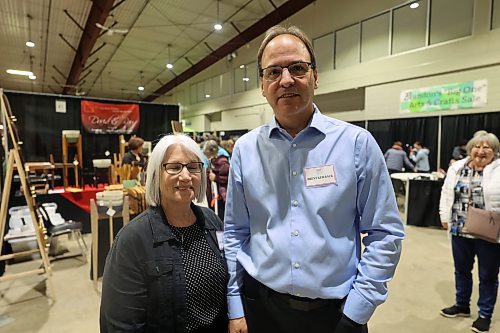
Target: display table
<point x="71" y="205"/>
<point x="405" y="177"/>
<point x="423" y="209"/>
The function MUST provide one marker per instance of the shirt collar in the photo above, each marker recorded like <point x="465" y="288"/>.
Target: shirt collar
<point x="317" y="122"/>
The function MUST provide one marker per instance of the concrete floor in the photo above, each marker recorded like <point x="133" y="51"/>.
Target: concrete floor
<point x="423" y="284"/>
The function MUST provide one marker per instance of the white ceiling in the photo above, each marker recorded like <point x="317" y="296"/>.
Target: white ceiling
<point x="114" y="70"/>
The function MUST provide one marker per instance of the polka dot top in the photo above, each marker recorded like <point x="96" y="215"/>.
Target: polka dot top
<point x="205" y="278"/>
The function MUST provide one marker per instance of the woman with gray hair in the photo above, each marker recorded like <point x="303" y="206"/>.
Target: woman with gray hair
<point x="165" y="271"/>
<point x="475" y="178"/>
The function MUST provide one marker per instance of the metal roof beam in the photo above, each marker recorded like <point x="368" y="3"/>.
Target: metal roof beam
<point x="98" y="14"/>
<point x="255" y="30"/>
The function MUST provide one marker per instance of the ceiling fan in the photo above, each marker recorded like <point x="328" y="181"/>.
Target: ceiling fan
<point x="110" y="31"/>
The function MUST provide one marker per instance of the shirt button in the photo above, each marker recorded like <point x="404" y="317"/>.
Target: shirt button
<point x="294" y="145"/>
<point x="295" y="233"/>
<point x="295" y="203"/>
<point x="296" y="265"/>
<point x="294" y="173"/>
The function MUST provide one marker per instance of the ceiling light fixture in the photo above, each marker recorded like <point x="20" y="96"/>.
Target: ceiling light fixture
<point x="217" y="25"/>
<point x="207" y="96"/>
<point x="32" y="77"/>
<point x="414" y="5"/>
<point x="246" y="79"/>
<point x="18" y="72"/>
<point x="169" y="63"/>
<point x="141" y="86"/>
<point x="30" y="42"/>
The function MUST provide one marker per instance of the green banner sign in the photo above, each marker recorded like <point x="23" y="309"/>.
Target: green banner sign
<point x="464" y="95"/>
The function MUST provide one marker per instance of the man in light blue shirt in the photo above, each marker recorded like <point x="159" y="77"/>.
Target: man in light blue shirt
<point x="302" y="189"/>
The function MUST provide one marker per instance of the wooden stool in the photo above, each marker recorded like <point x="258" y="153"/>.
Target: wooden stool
<point x="95" y="217"/>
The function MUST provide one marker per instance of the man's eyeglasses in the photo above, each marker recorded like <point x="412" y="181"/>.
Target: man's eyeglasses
<point x="176" y="168"/>
<point x="297" y="70"/>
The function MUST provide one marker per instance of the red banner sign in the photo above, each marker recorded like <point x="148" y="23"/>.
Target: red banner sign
<point x="106" y="118"/>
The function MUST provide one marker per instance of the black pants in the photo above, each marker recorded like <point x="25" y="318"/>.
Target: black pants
<point x="267" y="311"/>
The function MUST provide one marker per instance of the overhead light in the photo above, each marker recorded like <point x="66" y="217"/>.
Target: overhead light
<point x="242" y="66"/>
<point x="217" y="25"/>
<point x="32" y="77"/>
<point x="246" y="79"/>
<point x="18" y="72"/>
<point x="140" y="88"/>
<point x="414" y="5"/>
<point x="30" y="44"/>
<point x="207" y="96"/>
<point x="169" y="61"/>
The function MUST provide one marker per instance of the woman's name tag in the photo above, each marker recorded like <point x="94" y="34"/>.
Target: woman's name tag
<point x="220" y="239"/>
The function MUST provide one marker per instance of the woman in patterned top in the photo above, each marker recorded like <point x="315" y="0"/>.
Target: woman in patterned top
<point x="165" y="271"/>
<point x="477" y="176"/>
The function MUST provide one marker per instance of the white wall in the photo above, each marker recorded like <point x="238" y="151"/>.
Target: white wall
<point x="471" y="58"/>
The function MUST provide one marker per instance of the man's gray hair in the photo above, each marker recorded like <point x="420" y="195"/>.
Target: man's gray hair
<point x="155" y="168"/>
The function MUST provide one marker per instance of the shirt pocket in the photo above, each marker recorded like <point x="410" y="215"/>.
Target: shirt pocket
<point x="160" y="277"/>
<point x="155" y="269"/>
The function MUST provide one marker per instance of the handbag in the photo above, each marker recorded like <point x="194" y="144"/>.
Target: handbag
<point x="481" y="223"/>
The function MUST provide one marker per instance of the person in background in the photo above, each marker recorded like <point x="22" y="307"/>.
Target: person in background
<point x="420" y="155"/>
<point x="134" y="155"/>
<point x="478" y="175"/>
<point x="228" y="145"/>
<point x="302" y="189"/>
<point x="396" y="159"/>
<point x="218" y="172"/>
<point x="459" y="151"/>
<point x="166" y="271"/>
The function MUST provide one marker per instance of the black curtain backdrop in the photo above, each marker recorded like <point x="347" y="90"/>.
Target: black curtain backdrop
<point x="40" y="127"/>
<point x="407" y="131"/>
<point x="462" y="127"/>
<point x="358" y="123"/>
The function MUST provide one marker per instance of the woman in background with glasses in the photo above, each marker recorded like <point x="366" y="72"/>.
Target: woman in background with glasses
<point x="474" y="179"/>
<point x="165" y="271"/>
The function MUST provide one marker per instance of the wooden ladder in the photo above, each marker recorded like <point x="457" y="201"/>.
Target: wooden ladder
<point x="15" y="161"/>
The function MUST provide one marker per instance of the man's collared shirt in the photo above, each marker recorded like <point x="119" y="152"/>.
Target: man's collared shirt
<point x="303" y="238"/>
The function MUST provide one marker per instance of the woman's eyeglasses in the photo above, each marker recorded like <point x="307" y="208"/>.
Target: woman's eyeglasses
<point x="296" y="69"/>
<point x="481" y="147"/>
<point x="176" y="168"/>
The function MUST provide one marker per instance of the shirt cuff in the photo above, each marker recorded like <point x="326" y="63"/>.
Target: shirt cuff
<point x="235" y="307"/>
<point x="357" y="308"/>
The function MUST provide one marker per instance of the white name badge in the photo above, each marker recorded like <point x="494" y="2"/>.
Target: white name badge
<point x="320" y="175"/>
<point x="220" y="239"/>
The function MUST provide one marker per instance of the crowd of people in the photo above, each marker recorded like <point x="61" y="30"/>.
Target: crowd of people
<point x="283" y="251"/>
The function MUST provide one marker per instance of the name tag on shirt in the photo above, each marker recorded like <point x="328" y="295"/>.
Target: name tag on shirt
<point x="320" y="175"/>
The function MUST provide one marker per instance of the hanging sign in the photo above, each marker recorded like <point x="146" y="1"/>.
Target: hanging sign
<point x="463" y="95"/>
<point x="107" y="118"/>
<point x="61" y="105"/>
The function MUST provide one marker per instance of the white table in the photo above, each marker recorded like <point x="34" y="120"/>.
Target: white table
<point x="405" y="178"/>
